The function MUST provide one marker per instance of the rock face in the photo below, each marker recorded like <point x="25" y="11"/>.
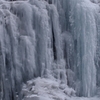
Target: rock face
<point x="45" y="38"/>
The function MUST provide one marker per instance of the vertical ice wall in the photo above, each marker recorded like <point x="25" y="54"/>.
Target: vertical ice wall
<point x="83" y="27"/>
<point x="30" y="45"/>
<point x="48" y="40"/>
<point x="80" y="17"/>
<point x="98" y="50"/>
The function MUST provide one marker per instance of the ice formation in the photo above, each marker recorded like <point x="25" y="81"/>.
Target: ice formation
<point x="46" y="89"/>
<point x="52" y="39"/>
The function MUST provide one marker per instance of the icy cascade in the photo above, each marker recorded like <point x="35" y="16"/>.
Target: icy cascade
<point x="83" y="27"/>
<point x="30" y="45"/>
<point x="48" y="39"/>
<point x="80" y="43"/>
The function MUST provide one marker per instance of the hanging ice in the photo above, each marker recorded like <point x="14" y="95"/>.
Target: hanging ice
<point x="83" y="19"/>
<point x="51" y="39"/>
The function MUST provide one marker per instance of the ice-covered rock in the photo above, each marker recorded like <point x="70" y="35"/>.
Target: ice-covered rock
<point x="46" y="89"/>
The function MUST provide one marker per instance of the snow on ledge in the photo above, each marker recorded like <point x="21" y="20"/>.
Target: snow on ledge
<point x="46" y="89"/>
<point x="49" y="89"/>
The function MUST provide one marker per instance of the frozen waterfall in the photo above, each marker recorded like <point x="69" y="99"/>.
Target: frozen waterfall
<point x="83" y="20"/>
<point x="53" y="39"/>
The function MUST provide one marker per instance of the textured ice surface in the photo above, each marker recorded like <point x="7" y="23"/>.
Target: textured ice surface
<point x="83" y="19"/>
<point x="55" y="39"/>
<point x="47" y="89"/>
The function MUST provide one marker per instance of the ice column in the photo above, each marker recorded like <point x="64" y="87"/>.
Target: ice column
<point x="83" y="27"/>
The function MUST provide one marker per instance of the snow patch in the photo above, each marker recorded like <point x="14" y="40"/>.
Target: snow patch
<point x="46" y="89"/>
